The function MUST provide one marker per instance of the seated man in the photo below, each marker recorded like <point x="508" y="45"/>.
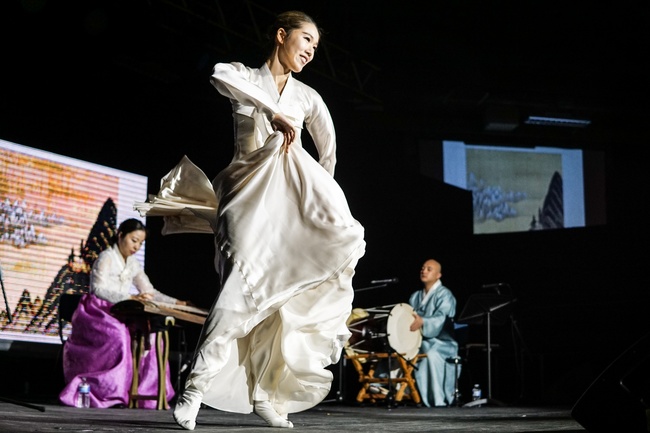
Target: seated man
<point x="435" y="308"/>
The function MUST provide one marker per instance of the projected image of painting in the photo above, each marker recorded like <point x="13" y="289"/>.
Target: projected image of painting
<point x="507" y="192"/>
<point x="519" y="189"/>
<point x="56" y="215"/>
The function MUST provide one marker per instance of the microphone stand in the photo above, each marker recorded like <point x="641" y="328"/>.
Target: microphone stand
<point x="390" y="397"/>
<point x="8" y="400"/>
<point x="371" y="288"/>
<point x="4" y="294"/>
<point x="340" y="394"/>
<point x="22" y="403"/>
<point x="488" y="305"/>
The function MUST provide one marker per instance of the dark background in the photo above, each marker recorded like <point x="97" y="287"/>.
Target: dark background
<point x="126" y="84"/>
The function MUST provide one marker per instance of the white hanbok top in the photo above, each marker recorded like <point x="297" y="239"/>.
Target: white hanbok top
<point x="112" y="278"/>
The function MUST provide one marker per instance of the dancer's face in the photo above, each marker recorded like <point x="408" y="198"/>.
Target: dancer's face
<point x="297" y="48"/>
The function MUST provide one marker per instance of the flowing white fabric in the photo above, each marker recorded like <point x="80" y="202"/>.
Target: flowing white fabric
<point x="287" y="248"/>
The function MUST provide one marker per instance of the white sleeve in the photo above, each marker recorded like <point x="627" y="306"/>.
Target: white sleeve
<point x="321" y="128"/>
<point x="233" y="81"/>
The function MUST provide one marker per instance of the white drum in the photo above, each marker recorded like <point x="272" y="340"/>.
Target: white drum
<point x="385" y="330"/>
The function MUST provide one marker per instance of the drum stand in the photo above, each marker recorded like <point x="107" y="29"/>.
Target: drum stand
<point x="374" y="389"/>
<point x="390" y="398"/>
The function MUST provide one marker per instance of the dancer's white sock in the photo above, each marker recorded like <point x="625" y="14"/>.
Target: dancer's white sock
<point x="265" y="411"/>
<point x="187" y="408"/>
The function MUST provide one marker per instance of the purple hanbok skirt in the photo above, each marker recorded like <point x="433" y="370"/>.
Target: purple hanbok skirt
<point x="99" y="349"/>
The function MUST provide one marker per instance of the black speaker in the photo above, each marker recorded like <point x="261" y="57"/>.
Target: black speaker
<point x="618" y="400"/>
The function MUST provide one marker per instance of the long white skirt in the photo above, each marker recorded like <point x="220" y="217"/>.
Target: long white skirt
<point x="287" y="248"/>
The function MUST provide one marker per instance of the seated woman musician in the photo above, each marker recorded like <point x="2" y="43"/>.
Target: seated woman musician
<point x="99" y="347"/>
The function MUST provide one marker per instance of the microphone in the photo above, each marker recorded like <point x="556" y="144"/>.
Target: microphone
<point x="492" y="286"/>
<point x="386" y="281"/>
<point x="495" y="286"/>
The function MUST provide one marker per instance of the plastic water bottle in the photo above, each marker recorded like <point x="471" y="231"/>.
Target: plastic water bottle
<point x="83" y="394"/>
<point x="476" y="392"/>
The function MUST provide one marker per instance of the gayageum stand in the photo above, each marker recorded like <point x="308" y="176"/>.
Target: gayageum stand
<point x="480" y="309"/>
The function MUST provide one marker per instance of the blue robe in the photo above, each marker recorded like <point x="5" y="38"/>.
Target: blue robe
<point x="435" y="377"/>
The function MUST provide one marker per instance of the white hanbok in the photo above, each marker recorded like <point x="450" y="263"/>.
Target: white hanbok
<point x="287" y="246"/>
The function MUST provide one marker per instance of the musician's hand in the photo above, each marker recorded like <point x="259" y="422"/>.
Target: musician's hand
<point x="417" y="322"/>
<point x="143" y="297"/>
<point x="186" y="303"/>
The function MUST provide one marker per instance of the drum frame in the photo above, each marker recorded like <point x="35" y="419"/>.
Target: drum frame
<point x="392" y="340"/>
<point x="375" y="315"/>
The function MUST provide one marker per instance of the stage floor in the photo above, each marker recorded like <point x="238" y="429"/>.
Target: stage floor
<point x="326" y="417"/>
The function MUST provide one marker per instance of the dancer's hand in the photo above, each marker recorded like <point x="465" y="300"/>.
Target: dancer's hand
<point x="280" y="123"/>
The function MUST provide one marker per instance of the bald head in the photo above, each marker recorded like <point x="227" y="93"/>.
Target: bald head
<point x="430" y="272"/>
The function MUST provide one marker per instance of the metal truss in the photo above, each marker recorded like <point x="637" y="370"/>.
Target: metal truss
<point x="225" y="27"/>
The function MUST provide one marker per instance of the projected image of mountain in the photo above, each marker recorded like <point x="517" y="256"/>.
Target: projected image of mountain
<point x="551" y="214"/>
<point x="33" y="315"/>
